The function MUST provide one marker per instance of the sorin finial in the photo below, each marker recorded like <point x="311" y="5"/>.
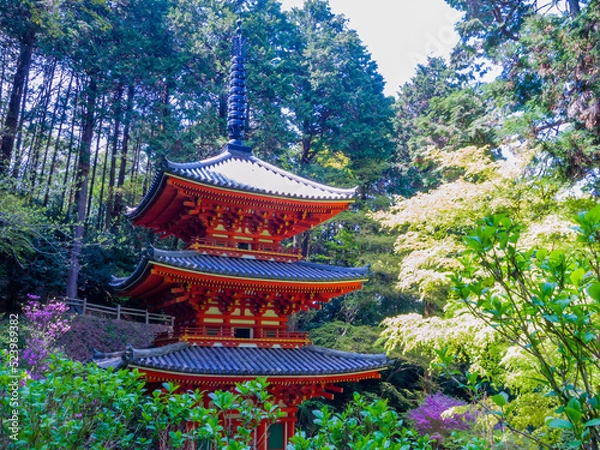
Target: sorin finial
<point x="236" y="101"/>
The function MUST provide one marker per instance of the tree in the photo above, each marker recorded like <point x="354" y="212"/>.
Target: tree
<point x="547" y="303"/>
<point x="548" y="87"/>
<point x="22" y="20"/>
<point x="338" y="104"/>
<point x="430" y="224"/>
<point x="32" y="259"/>
<point x="521" y="332"/>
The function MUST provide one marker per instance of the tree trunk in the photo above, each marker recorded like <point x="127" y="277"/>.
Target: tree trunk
<point x="12" y="115"/>
<point x="51" y="129"/>
<point x="4" y="51"/>
<point x="302" y="241"/>
<point x="101" y="195"/>
<point x="65" y="186"/>
<point x="38" y="137"/>
<point x="94" y="166"/>
<point x="72" y="176"/>
<point x="165" y="105"/>
<point x="574" y="8"/>
<point x="113" y="158"/>
<point x="124" y="147"/>
<point x="83" y="171"/>
<point x="135" y="170"/>
<point x="57" y="142"/>
<point x="306" y="146"/>
<point x="19" y="132"/>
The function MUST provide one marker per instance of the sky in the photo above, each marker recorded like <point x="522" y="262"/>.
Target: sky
<point x="399" y="34"/>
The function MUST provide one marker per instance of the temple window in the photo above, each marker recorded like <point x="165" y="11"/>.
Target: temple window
<point x="243" y="333"/>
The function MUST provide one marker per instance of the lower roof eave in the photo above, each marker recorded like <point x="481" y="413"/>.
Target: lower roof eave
<point x="218" y="379"/>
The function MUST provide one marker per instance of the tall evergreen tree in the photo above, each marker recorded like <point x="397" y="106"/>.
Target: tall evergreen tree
<point x="21" y="21"/>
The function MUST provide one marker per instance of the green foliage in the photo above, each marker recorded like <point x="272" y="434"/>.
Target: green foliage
<point x="567" y="55"/>
<point x="438" y="109"/>
<point x="361" y="425"/>
<point x="545" y="302"/>
<point x="522" y="340"/>
<point x="107" y="254"/>
<point x="344" y="336"/>
<point x="77" y="406"/>
<point x="337" y="103"/>
<point x="548" y="88"/>
<point x="356" y="239"/>
<point x="430" y="224"/>
<point x="32" y="257"/>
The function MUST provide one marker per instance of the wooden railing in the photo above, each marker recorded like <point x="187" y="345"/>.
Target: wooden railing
<point x="257" y="249"/>
<point x="254" y="246"/>
<point x="260" y="335"/>
<point x="118" y="312"/>
<point x="229" y="331"/>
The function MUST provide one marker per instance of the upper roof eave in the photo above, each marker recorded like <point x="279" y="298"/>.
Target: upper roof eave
<point x="230" y="169"/>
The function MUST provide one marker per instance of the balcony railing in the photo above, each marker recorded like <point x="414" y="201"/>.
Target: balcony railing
<point x="232" y="335"/>
<point x="213" y="245"/>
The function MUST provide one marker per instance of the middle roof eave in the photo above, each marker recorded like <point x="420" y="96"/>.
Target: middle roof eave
<point x="243" y="268"/>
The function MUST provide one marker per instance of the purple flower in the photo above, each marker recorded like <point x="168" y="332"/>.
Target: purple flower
<point x="429" y="417"/>
<point x="46" y="324"/>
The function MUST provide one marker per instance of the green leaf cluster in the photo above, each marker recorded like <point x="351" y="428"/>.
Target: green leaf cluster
<point x="546" y="303"/>
<point x="362" y="425"/>
<point x="76" y="406"/>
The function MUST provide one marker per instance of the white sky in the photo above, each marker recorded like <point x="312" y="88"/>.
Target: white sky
<point x="399" y="34"/>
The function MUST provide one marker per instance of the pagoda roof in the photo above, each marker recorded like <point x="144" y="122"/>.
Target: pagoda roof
<point x="190" y="359"/>
<point x="242" y="171"/>
<point x="191" y="260"/>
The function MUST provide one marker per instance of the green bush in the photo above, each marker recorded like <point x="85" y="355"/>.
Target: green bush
<point x="77" y="406"/>
<point x="362" y="425"/>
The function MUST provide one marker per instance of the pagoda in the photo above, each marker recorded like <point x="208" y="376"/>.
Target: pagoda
<point x="233" y="289"/>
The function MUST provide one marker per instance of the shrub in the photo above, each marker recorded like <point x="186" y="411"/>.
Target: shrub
<point x="435" y="416"/>
<point x="77" y="406"/>
<point x="46" y="324"/>
<point x="362" y="425"/>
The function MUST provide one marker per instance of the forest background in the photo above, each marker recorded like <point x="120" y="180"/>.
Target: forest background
<point x="94" y="94"/>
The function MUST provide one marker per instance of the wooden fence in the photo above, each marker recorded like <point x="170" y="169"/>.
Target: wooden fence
<point x="119" y="312"/>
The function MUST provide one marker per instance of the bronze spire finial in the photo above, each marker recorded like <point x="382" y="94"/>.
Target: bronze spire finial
<point x="236" y="101"/>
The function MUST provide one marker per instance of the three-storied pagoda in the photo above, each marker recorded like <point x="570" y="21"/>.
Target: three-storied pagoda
<point x="234" y="287"/>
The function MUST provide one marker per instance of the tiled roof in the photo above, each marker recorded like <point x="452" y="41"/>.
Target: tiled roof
<point x="243" y="171"/>
<point x="240" y="170"/>
<point x="244" y="268"/>
<point x="247" y="361"/>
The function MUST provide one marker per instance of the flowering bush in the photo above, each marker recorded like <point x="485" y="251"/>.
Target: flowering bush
<point x="46" y="324"/>
<point x="435" y="417"/>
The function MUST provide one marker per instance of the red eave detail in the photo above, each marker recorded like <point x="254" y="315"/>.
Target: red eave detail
<point x="165" y="375"/>
<point x="164" y="212"/>
<point x="159" y="276"/>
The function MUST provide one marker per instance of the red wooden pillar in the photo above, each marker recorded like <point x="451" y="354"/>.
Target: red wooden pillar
<point x="261" y="436"/>
<point x="291" y="423"/>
